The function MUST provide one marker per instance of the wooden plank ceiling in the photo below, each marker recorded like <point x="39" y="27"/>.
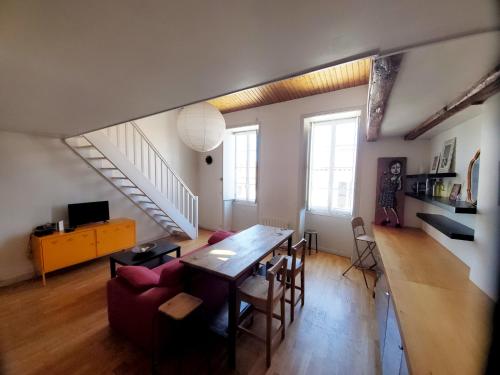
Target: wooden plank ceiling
<point x="338" y="77"/>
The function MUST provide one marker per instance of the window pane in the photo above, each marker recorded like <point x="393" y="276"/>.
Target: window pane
<point x="251" y="192"/>
<point x="345" y="133"/>
<point x="241" y="151"/>
<point x="246" y="165"/>
<point x="241" y="175"/>
<point x="318" y="198"/>
<point x="332" y="165"/>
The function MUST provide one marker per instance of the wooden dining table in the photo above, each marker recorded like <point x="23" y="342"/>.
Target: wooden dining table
<point x="231" y="259"/>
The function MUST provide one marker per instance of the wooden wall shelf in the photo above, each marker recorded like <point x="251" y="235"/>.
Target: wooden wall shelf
<point x="432" y="175"/>
<point x="447" y="226"/>
<point x="458" y="207"/>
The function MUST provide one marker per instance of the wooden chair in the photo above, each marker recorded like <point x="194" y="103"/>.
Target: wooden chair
<point x="264" y="293"/>
<point x="359" y="233"/>
<point x="294" y="267"/>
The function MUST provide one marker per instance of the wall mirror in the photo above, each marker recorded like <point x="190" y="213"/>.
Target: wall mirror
<point x="473" y="178"/>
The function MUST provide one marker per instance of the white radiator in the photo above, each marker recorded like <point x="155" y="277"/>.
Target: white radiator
<point x="274" y="222"/>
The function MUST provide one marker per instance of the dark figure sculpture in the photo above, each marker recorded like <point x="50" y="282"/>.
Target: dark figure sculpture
<point x="390" y="184"/>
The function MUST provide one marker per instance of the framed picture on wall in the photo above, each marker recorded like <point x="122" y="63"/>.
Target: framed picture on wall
<point x="390" y="202"/>
<point x="455" y="192"/>
<point x="435" y="164"/>
<point x="447" y="156"/>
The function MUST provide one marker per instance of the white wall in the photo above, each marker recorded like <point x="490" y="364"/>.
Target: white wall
<point x="282" y="166"/>
<point x="481" y="132"/>
<point x="39" y="176"/>
<point x="161" y="129"/>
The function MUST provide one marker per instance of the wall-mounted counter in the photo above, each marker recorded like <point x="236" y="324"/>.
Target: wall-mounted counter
<point x="443" y="318"/>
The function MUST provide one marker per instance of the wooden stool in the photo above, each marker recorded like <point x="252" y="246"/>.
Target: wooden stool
<point x="178" y="308"/>
<point x="311" y="233"/>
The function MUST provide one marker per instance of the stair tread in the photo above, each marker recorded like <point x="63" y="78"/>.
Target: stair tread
<point x="144" y="201"/>
<point x="167" y="220"/>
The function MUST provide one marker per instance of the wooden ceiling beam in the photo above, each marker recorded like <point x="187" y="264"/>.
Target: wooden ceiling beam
<point x="477" y="94"/>
<point x="383" y="74"/>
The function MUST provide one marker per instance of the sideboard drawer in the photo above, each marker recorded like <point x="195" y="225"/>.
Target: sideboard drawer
<point x="67" y="250"/>
<point x="115" y="237"/>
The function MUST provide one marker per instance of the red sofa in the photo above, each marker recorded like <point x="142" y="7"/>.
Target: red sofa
<point x="136" y="293"/>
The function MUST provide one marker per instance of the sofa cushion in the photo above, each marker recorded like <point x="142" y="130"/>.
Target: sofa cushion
<point x="219" y="236"/>
<point x="171" y="274"/>
<point x="139" y="277"/>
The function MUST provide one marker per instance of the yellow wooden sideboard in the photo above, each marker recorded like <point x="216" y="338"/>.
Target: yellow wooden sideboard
<point x="59" y="250"/>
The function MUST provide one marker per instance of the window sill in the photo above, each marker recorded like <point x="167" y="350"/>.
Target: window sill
<point x="245" y="203"/>
<point x="330" y="214"/>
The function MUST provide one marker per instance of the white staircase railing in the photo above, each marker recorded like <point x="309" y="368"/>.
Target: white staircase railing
<point x="128" y="148"/>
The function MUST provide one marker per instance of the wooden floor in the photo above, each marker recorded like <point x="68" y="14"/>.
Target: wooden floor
<point x="63" y="328"/>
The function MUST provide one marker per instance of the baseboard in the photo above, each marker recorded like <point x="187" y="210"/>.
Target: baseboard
<point x="209" y="229"/>
<point x="17" y="279"/>
<point x="329" y="251"/>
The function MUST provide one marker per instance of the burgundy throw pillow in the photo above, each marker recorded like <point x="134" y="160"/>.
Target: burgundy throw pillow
<point x="139" y="277"/>
<point x="172" y="274"/>
<point x="219" y="236"/>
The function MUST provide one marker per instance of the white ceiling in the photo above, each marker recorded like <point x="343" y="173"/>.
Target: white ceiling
<point x="432" y="76"/>
<point x="72" y="66"/>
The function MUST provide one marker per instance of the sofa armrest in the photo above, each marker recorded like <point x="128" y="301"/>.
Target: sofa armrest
<point x="132" y="312"/>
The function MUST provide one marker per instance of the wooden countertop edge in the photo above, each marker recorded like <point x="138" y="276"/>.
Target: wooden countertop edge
<point x="396" y="277"/>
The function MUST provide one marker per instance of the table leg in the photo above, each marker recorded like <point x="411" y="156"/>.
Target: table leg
<point x="232" y="324"/>
<point x="112" y="267"/>
<point x="178" y="252"/>
<point x="289" y="250"/>
<point x="309" y="242"/>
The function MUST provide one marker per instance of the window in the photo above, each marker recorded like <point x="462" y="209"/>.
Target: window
<point x="332" y="162"/>
<point x="245" y="166"/>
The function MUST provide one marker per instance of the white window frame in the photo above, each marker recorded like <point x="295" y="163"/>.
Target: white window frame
<point x="245" y="130"/>
<point x="310" y="121"/>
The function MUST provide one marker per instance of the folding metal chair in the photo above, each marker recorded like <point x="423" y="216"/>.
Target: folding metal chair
<point x="359" y="233"/>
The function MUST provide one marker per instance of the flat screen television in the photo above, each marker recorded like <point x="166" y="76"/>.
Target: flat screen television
<point x="89" y="212"/>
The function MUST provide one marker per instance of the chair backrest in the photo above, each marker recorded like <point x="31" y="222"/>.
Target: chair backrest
<point x="298" y="247"/>
<point x="279" y="269"/>
<point x="358" y="226"/>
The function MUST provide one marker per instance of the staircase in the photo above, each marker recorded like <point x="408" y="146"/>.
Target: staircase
<point x="127" y="159"/>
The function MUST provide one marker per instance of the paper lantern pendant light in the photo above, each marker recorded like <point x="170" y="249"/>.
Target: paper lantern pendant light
<point x="201" y="126"/>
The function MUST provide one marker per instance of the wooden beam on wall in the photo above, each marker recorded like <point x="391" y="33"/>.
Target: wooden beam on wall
<point x="477" y="94"/>
<point x="383" y="74"/>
